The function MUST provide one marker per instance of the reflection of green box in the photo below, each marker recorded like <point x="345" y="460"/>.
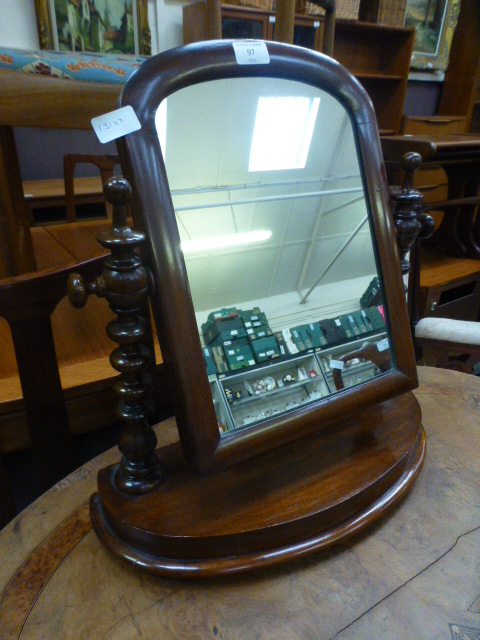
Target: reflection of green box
<point x="253" y="317"/>
<point x="210" y="364"/>
<point x="223" y="329"/>
<point x="219" y="359"/>
<point x="360" y="322"/>
<point x="301" y="337"/>
<point x="347" y="327"/>
<point x="316" y="335"/>
<point x="373" y="294"/>
<point x="265" y="349"/>
<point x="233" y="344"/>
<point x="373" y="319"/>
<point x="225" y="336"/>
<point x="353" y="325"/>
<point x="238" y="357"/>
<point x="262" y="332"/>
<point x="221" y="313"/>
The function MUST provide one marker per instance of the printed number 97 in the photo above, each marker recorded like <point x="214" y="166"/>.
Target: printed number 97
<point x="250" y="52"/>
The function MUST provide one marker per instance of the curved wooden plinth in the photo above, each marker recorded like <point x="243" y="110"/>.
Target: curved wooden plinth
<point x="284" y="504"/>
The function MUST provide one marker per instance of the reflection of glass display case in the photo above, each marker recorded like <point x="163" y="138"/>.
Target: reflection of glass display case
<point x="262" y="392"/>
<point x="258" y="394"/>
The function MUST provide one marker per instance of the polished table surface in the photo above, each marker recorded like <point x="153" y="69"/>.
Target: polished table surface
<point x="414" y="575"/>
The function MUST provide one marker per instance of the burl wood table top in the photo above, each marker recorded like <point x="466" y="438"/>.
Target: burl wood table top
<point x="413" y="576"/>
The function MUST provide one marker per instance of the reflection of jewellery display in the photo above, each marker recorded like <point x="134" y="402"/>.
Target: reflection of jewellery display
<point x="292" y="404"/>
<point x="302" y="374"/>
<point x="270" y="383"/>
<point x="259" y="386"/>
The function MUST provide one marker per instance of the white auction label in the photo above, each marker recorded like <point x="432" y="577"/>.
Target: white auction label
<point x="336" y="364"/>
<point x="116" y="124"/>
<point x="251" y="52"/>
<point x="383" y="344"/>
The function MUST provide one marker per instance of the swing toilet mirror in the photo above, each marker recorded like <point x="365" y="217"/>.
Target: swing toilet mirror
<point x="278" y="297"/>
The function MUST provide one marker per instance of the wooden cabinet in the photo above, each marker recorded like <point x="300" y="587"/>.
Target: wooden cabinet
<point x="449" y="287"/>
<point x="247" y="22"/>
<point x="378" y="55"/>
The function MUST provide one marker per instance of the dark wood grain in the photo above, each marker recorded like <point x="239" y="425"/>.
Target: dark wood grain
<point x="289" y="502"/>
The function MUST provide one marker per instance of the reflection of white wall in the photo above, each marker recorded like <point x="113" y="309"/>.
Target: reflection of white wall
<point x="284" y="311"/>
<point x="209" y="133"/>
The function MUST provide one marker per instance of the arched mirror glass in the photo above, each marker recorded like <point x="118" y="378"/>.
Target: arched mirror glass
<point x="276" y="234"/>
<point x="278" y="297"/>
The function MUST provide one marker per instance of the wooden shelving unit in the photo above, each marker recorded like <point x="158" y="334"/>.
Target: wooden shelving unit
<point x="378" y="55"/>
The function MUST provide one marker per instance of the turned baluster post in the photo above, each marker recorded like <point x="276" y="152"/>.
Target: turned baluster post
<point x="411" y="222"/>
<point x="125" y="284"/>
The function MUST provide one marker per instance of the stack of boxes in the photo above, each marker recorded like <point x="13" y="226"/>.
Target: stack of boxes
<point x="235" y="339"/>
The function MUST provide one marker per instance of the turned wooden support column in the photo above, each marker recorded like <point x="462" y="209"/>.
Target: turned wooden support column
<point x="125" y="285"/>
<point x="409" y="215"/>
<point x="412" y="223"/>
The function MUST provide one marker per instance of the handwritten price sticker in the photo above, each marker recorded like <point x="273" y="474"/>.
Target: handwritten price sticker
<point x="251" y="52"/>
<point x="115" y="124"/>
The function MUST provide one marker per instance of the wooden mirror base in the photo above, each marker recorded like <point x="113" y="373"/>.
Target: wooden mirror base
<point x="284" y="504"/>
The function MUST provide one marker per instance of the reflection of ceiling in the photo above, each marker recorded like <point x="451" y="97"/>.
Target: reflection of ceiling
<point x="315" y="214"/>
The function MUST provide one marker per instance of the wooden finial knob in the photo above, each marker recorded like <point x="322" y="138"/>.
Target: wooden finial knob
<point x="411" y="162"/>
<point x="117" y="191"/>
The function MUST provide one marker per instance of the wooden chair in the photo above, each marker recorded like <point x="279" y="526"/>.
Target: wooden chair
<point x="105" y="163"/>
<point x="439" y="342"/>
<point x="369" y="352"/>
<point x="448" y="344"/>
<point x="27" y="303"/>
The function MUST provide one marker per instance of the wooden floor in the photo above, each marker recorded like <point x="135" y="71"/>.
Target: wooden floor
<point x="80" y="339"/>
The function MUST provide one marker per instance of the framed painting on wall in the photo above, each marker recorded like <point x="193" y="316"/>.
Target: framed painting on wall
<point x="434" y="22"/>
<point x="94" y="26"/>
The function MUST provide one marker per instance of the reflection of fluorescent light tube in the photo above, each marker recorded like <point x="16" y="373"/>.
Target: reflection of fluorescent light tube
<point x="221" y="242"/>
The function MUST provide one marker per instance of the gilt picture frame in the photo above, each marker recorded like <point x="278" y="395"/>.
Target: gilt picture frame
<point x="434" y="22"/>
<point x="94" y="26"/>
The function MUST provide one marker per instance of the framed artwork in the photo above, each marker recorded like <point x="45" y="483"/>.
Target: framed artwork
<point x="434" y="22"/>
<point x="94" y="26"/>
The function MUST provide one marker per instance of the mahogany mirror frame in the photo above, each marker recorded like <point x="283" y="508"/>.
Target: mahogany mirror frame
<point x="172" y="306"/>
